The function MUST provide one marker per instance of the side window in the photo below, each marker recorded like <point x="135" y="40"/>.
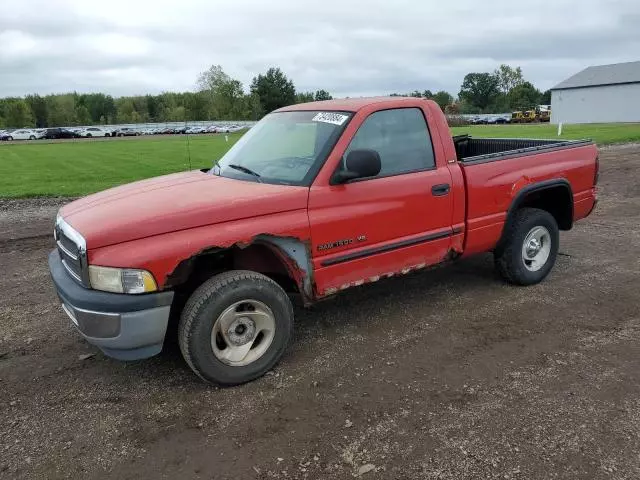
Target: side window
<point x="400" y="136"/>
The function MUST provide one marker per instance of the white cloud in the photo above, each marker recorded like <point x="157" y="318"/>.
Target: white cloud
<point x="354" y="47"/>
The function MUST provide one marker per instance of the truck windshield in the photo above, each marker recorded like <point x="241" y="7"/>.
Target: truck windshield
<point x="284" y="148"/>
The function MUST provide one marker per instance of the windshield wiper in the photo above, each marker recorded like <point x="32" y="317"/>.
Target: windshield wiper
<point x="246" y="170"/>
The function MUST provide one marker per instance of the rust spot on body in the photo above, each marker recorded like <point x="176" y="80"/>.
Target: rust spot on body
<point x="293" y="252"/>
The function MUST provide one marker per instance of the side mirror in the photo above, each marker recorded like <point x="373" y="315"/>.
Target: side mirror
<point x="360" y="164"/>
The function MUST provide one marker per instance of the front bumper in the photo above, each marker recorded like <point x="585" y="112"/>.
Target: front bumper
<point x="125" y="327"/>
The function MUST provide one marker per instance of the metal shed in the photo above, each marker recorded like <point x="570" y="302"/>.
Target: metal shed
<point x="598" y="94"/>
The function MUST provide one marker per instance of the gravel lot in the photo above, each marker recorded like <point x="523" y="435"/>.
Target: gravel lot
<point x="447" y="374"/>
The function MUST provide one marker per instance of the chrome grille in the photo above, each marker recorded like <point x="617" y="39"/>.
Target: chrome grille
<point x="73" y="252"/>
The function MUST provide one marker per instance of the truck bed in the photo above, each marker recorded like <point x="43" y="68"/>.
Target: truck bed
<point x="495" y="170"/>
<point x="471" y="150"/>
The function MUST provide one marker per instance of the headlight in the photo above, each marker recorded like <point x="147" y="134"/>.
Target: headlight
<point x="121" y="280"/>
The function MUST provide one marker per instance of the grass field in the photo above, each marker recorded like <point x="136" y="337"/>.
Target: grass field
<point x="82" y="167"/>
<point x="602" y="134"/>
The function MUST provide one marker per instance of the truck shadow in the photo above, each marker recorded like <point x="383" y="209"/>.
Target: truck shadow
<point x="354" y="308"/>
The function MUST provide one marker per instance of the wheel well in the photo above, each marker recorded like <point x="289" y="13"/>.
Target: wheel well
<point x="554" y="197"/>
<point x="557" y="200"/>
<point x="257" y="257"/>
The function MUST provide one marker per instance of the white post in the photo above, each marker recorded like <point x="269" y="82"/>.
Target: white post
<point x="559" y="128"/>
<point x="226" y="138"/>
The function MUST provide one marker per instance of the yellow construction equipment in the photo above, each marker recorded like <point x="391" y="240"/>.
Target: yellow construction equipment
<point x="539" y="113"/>
<point x="530" y="116"/>
<point x="544" y="113"/>
<point x="517" y="117"/>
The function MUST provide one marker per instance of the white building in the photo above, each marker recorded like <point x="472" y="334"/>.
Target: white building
<point x="600" y="94"/>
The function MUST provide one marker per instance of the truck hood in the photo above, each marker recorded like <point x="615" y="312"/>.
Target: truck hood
<point x="175" y="202"/>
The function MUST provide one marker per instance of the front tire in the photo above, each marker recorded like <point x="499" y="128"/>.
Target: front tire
<point x="529" y="248"/>
<point x="235" y="327"/>
<point x="10" y="139"/>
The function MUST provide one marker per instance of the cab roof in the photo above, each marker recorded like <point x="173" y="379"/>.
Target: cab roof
<point x="350" y="104"/>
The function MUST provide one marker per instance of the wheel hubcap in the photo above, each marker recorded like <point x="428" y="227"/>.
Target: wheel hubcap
<point x="536" y="248"/>
<point x="533" y="247"/>
<point x="243" y="333"/>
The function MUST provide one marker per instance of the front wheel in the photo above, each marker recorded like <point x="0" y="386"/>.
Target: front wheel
<point x="529" y="248"/>
<point x="235" y="327"/>
<point x="10" y="139"/>
<point x="32" y="137"/>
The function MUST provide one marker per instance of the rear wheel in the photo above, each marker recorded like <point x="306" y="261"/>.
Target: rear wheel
<point x="10" y="138"/>
<point x="89" y="135"/>
<point x="32" y="137"/>
<point x="529" y="248"/>
<point x="235" y="327"/>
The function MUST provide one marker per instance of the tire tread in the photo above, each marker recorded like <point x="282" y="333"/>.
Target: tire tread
<point x="215" y="286"/>
<point x="505" y="256"/>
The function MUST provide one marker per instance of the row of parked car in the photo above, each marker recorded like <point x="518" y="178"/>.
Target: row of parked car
<point x="537" y="113"/>
<point x="192" y="130"/>
<point x="37" y="134"/>
<point x="490" y="119"/>
<point x="89" y="132"/>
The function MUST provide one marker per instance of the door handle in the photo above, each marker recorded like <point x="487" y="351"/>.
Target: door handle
<point x="439" y="190"/>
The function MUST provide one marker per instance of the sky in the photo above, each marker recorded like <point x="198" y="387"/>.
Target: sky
<point x="348" y="47"/>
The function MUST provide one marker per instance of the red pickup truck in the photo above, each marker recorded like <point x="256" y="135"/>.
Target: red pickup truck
<point x="315" y="199"/>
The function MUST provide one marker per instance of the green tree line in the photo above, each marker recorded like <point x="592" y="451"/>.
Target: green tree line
<point x="221" y="97"/>
<point x="217" y="97"/>
<point x="502" y="90"/>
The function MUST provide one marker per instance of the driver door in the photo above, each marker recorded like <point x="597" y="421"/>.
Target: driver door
<point x="392" y="223"/>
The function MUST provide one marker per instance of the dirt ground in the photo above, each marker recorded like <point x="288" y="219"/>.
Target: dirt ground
<point x="448" y="374"/>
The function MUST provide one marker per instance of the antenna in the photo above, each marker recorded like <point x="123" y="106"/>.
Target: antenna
<point x="188" y="145"/>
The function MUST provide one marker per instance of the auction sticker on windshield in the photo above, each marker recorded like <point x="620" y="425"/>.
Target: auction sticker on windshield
<point x="330" y="117"/>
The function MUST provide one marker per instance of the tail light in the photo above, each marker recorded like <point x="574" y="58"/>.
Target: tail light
<point x="597" y="175"/>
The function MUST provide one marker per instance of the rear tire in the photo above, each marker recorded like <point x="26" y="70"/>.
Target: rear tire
<point x="220" y="312"/>
<point x="10" y="139"/>
<point x="529" y="247"/>
<point x="32" y="137"/>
